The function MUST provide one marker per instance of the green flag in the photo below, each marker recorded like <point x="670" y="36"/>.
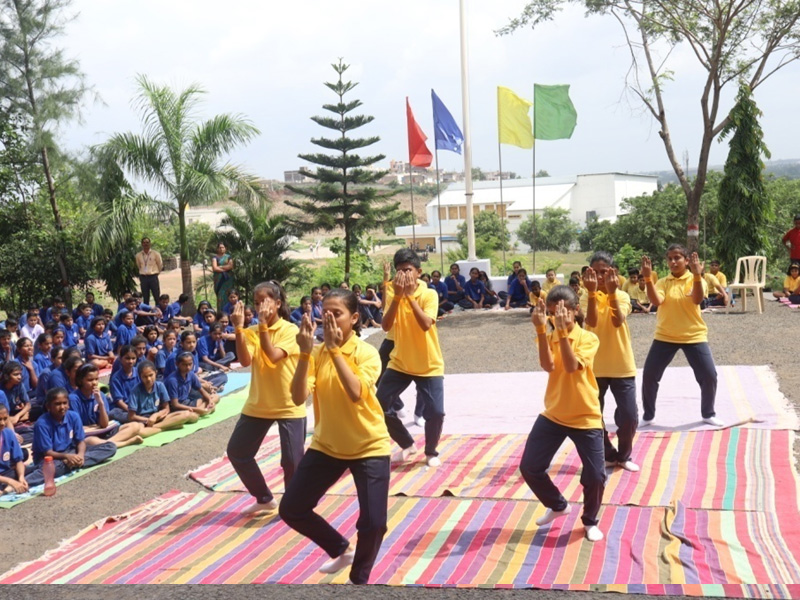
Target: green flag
<point x="554" y="116"/>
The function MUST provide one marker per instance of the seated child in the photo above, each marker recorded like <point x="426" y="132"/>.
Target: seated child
<point x="153" y="343"/>
<point x="126" y="330"/>
<point x="572" y="410"/>
<point x="188" y="343"/>
<point x="535" y="294"/>
<point x="139" y="345"/>
<point x="211" y="351"/>
<point x="199" y="321"/>
<point x="122" y="382"/>
<point x="491" y="296"/>
<point x="445" y="306"/>
<point x="176" y="309"/>
<point x="550" y="281"/>
<point x="369" y="306"/>
<point x="713" y="267"/>
<point x="8" y="349"/>
<point x="233" y="300"/>
<point x="98" y="345"/>
<point x="12" y="458"/>
<point x="791" y="283"/>
<point x="209" y="318"/>
<point x="58" y="433"/>
<point x="64" y="376"/>
<point x="716" y="294"/>
<point x="111" y="326"/>
<point x="32" y="328"/>
<point x="92" y="407"/>
<point x="72" y="334"/>
<point x="305" y="307"/>
<point x="166" y="351"/>
<point x="149" y="404"/>
<point x="455" y="284"/>
<point x="518" y="290"/>
<point x="37" y="398"/>
<point x="474" y="292"/>
<point x="30" y="369"/>
<point x="14" y="394"/>
<point x="84" y="319"/>
<point x="59" y="337"/>
<point x="185" y="390"/>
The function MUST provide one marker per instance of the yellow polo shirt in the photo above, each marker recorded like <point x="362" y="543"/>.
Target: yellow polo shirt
<point x="533" y="299"/>
<point x="572" y="399"/>
<point x="615" y="358"/>
<point x="342" y="428"/>
<point x="638" y="294"/>
<point x="679" y="320"/>
<point x="271" y="384"/>
<point x="623" y="281"/>
<point x="547" y="286"/>
<point x="416" y="352"/>
<point x="711" y="283"/>
<point x="723" y="280"/>
<point x="791" y="284"/>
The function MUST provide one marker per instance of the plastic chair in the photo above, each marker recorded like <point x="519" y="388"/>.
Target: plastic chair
<point x="751" y="274"/>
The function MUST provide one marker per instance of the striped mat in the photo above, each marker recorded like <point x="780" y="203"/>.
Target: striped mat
<point x="732" y="469"/>
<point x="204" y="538"/>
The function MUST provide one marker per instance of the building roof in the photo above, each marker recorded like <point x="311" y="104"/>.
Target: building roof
<point x="517" y="194"/>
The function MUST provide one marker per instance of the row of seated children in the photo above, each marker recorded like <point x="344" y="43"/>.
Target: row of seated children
<point x="370" y="306"/>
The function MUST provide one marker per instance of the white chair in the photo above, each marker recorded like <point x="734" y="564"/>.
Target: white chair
<point x="751" y="274"/>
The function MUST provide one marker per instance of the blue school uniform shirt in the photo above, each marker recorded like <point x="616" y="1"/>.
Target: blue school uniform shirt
<point x="157" y="345"/>
<point x="451" y="285"/>
<point x="124" y="335"/>
<point x="43" y="360"/>
<point x="179" y="387"/>
<point x="145" y="403"/>
<point x="121" y="385"/>
<point x="49" y="434"/>
<point x="175" y="309"/>
<point x="474" y="290"/>
<point x="166" y="313"/>
<point x="71" y="335"/>
<point x="207" y="347"/>
<point x="111" y="327"/>
<point x="98" y="345"/>
<point x="97" y="311"/>
<point x="297" y="315"/>
<point x="85" y="323"/>
<point x="441" y="289"/>
<point x="228" y="308"/>
<point x="58" y="378"/>
<point x="170" y="368"/>
<point x="16" y="397"/>
<point x="26" y="375"/>
<point x="10" y="450"/>
<point x="86" y="408"/>
<point x="198" y="320"/>
<point x="41" y="388"/>
<point x="4" y="401"/>
<point x="162" y="357"/>
<point x="516" y="291"/>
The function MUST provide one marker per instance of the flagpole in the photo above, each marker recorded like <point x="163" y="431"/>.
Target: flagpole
<point x="439" y="210"/>
<point x="533" y="247"/>
<point x="502" y="205"/>
<point x="467" y="140"/>
<point x="413" y="214"/>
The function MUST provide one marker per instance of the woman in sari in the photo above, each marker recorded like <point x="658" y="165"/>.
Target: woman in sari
<point x="222" y="267"/>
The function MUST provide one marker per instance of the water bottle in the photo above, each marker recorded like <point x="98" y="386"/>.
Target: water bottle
<point x="49" y="472"/>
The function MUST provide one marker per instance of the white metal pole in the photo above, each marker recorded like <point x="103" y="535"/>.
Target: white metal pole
<point x="467" y="141"/>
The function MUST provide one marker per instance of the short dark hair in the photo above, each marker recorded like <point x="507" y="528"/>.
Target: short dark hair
<point x="138" y="339"/>
<point x="522" y="271"/>
<point x="678" y="248"/>
<point x="54" y="393"/>
<point x="350" y="300"/>
<point x="145" y="239"/>
<point x="183" y="356"/>
<point x="714" y="261"/>
<point x="406" y="255"/>
<point x="565" y="293"/>
<point x="145" y="364"/>
<point x="574" y="281"/>
<point x="603" y="256"/>
<point x="163" y="297"/>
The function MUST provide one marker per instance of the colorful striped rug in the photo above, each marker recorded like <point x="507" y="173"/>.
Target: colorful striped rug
<point x="203" y="538"/>
<point x="730" y="469"/>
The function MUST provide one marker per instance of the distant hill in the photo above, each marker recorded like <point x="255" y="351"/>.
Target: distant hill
<point x="788" y="168"/>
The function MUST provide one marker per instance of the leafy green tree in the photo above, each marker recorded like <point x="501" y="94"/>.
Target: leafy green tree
<point x="180" y="158"/>
<point x="39" y="82"/>
<point x="587" y="237"/>
<point x="257" y="239"/>
<point x="491" y="233"/>
<point x="542" y="173"/>
<point x="343" y="198"/>
<point x="554" y="230"/>
<point x="745" y="208"/>
<point x="478" y="174"/>
<point x="731" y="41"/>
<point x="20" y="175"/>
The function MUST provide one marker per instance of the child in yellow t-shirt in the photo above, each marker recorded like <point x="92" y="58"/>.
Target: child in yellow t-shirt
<point x="349" y="435"/>
<point x="571" y="410"/>
<point x="270" y="349"/>
<point x="713" y="267"/>
<point x="791" y="283"/>
<point x="550" y="281"/>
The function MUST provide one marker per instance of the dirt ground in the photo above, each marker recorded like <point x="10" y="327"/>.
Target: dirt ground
<point x="493" y="342"/>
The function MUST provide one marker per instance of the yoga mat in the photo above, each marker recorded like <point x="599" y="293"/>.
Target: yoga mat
<point x="204" y="538"/>
<point x="747" y="396"/>
<point x="729" y="469"/>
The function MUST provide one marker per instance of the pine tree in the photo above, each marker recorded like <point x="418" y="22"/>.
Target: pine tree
<point x="342" y="199"/>
<point x="745" y="209"/>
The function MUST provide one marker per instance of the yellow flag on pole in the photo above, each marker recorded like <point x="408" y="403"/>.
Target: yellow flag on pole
<point x="514" y="125"/>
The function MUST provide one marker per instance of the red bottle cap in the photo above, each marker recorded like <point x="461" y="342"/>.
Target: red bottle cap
<point x="48" y="459"/>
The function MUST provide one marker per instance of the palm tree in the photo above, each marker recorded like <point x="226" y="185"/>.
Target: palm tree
<point x="257" y="240"/>
<point x="180" y="159"/>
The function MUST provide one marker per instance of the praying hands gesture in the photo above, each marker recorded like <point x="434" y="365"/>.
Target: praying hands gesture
<point x="590" y="280"/>
<point x="695" y="265"/>
<point x="237" y="316"/>
<point x="539" y="314"/>
<point x="305" y="338"/>
<point x="404" y="284"/>
<point x="266" y="310"/>
<point x="332" y="334"/>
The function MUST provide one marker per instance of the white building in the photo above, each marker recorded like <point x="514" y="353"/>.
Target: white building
<point x="599" y="195"/>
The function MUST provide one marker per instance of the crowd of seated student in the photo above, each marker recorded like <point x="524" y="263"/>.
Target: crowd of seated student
<point x="57" y="354"/>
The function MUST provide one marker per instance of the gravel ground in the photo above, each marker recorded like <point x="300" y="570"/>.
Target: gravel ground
<point x="492" y="342"/>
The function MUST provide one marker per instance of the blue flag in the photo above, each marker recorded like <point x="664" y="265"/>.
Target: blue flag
<point x="446" y="131"/>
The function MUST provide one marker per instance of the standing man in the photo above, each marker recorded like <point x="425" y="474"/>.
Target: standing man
<point x="792" y="242"/>
<point x="149" y="264"/>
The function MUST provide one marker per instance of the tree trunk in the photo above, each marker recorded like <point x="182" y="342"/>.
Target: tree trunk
<point x="347" y="250"/>
<point x="693" y="221"/>
<point x="186" y="267"/>
<point x="61" y="258"/>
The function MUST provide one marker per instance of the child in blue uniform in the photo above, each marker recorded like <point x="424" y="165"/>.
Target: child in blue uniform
<point x="30" y="369"/>
<point x="211" y="351"/>
<point x="166" y="351"/>
<point x="12" y="458"/>
<point x="126" y="331"/>
<point x="185" y="390"/>
<point x="122" y="382"/>
<point x="148" y="404"/>
<point x="98" y="345"/>
<point x="15" y="393"/>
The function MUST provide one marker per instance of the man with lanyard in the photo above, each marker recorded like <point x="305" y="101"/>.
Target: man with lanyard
<point x="149" y="264"/>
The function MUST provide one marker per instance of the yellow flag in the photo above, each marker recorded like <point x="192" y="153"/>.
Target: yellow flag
<point x="514" y="126"/>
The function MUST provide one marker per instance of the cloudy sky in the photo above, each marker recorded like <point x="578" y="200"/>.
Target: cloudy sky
<point x="268" y="61"/>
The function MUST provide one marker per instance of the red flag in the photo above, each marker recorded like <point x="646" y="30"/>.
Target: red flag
<point x="418" y="153"/>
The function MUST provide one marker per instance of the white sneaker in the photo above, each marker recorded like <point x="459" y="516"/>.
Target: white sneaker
<point x="258" y="507"/>
<point x="551" y="515"/>
<point x="419" y="421"/>
<point x="629" y="465"/>
<point x="335" y="565"/>
<point x="593" y="533"/>
<point x="646" y="422"/>
<point x="713" y="421"/>
<point x="434" y="461"/>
